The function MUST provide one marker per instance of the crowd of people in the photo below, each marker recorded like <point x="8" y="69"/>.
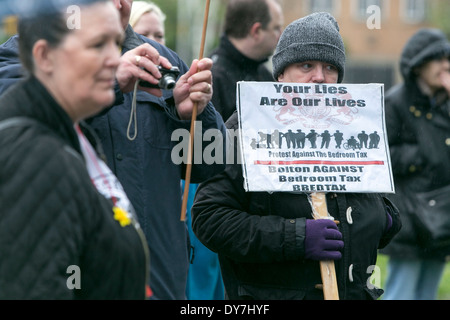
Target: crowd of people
<point x="91" y="196"/>
<point x="137" y="154"/>
<point x="250" y="33"/>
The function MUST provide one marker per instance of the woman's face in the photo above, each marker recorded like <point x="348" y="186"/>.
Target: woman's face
<point x="310" y="72"/>
<point x="433" y="72"/>
<point x="83" y="66"/>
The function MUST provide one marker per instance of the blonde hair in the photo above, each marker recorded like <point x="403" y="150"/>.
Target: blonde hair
<point x="141" y="7"/>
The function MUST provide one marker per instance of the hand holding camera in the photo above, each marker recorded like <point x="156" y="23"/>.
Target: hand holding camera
<point x="166" y="82"/>
<point x="145" y="64"/>
<point x="141" y="63"/>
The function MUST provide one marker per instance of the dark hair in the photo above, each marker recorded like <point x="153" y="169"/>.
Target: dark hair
<point x="50" y="26"/>
<point x="242" y="14"/>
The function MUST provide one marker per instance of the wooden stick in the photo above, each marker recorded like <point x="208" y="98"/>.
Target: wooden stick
<point x="327" y="269"/>
<point x="187" y="179"/>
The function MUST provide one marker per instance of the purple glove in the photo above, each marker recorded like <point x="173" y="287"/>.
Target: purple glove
<point x="389" y="221"/>
<point x="323" y="240"/>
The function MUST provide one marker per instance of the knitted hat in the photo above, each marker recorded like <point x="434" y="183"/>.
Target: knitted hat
<point x="314" y="37"/>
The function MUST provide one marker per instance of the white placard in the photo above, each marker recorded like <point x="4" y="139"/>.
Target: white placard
<point x="289" y="137"/>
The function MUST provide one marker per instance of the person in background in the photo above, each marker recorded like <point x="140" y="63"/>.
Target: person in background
<point x="67" y="229"/>
<point x="204" y="281"/>
<point x="147" y="19"/>
<point x="418" y="126"/>
<point x="251" y="32"/>
<point x="146" y="165"/>
<point x="139" y="152"/>
<point x="269" y="245"/>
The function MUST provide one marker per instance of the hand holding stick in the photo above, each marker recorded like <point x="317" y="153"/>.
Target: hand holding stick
<point x="327" y="269"/>
<point x="187" y="179"/>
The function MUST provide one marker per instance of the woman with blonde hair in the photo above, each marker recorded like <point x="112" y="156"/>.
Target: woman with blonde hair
<point x="147" y="19"/>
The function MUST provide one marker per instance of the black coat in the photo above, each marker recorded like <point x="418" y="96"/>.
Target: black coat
<point x="259" y="237"/>
<point x="53" y="219"/>
<point x="419" y="142"/>
<point x="418" y="128"/>
<point x="145" y="166"/>
<point x="150" y="173"/>
<point x="231" y="66"/>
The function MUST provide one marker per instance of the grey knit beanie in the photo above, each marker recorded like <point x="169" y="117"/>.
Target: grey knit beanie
<point x="314" y="37"/>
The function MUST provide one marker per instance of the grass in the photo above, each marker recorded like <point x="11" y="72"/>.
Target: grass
<point x="444" y="288"/>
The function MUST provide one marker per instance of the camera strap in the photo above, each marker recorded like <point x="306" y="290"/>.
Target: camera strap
<point x="132" y="40"/>
<point x="133" y="116"/>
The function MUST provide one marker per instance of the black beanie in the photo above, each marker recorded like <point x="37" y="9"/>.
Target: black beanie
<point x="314" y="37"/>
<point x="426" y="44"/>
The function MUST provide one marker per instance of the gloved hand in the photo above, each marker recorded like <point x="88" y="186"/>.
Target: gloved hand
<point x="323" y="240"/>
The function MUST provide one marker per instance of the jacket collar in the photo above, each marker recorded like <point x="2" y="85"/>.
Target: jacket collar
<point x="131" y="39"/>
<point x="31" y="99"/>
<point x="229" y="50"/>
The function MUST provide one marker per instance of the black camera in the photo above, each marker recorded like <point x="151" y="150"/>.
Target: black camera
<point x="167" y="81"/>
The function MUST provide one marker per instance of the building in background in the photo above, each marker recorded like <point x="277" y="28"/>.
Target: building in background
<point x="374" y="39"/>
<point x="374" y="36"/>
<point x="374" y="31"/>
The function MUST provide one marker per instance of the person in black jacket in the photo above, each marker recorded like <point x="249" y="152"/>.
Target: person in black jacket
<point x="138" y="143"/>
<point x="418" y="126"/>
<point x="67" y="228"/>
<point x="269" y="245"/>
<point x="251" y="32"/>
<point x="146" y="165"/>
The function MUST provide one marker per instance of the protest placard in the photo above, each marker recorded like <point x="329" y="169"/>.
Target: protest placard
<point x="313" y="137"/>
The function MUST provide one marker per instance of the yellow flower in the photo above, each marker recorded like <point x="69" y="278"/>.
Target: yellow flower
<point x="121" y="216"/>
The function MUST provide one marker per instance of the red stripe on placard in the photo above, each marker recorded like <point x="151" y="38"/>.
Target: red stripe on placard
<point x="365" y="163"/>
